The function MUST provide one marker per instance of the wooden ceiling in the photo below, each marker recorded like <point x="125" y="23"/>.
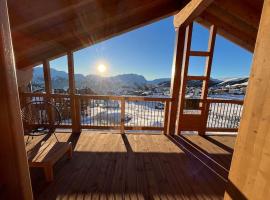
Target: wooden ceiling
<point x="43" y="29"/>
<point x="237" y="20"/>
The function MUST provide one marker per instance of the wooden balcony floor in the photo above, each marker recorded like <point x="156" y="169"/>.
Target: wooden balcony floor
<point x="115" y="166"/>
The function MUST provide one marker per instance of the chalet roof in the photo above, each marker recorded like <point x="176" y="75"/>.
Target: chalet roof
<point x="44" y="29"/>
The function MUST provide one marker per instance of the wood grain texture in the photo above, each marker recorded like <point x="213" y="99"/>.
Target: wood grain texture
<point x="75" y="106"/>
<point x="250" y="172"/>
<point x="15" y="180"/>
<point x="45" y="30"/>
<point x="139" y="166"/>
<point x="176" y="80"/>
<point x="190" y="12"/>
<point x="59" y="26"/>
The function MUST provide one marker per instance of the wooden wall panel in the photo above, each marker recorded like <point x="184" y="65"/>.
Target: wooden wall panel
<point x="14" y="174"/>
<point x="249" y="176"/>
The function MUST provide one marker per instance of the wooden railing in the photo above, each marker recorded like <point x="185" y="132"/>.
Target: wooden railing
<point x="211" y="115"/>
<point x="107" y="112"/>
<point x="137" y="113"/>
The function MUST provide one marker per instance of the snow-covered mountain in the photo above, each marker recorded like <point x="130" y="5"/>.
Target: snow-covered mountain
<point x="98" y="83"/>
<point x="116" y="84"/>
<point x="233" y="81"/>
<point x="159" y="80"/>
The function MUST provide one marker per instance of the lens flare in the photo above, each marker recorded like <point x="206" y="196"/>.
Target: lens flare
<point x="101" y="68"/>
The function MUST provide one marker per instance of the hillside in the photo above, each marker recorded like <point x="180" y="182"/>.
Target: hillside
<point x="123" y="83"/>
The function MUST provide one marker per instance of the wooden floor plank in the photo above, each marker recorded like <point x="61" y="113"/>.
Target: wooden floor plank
<point x="138" y="166"/>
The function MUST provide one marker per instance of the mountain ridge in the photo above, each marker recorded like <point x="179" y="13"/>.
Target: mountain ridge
<point x="117" y="83"/>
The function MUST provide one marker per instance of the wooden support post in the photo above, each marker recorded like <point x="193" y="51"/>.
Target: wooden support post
<point x="175" y="80"/>
<point x="166" y="115"/>
<point x="249" y="176"/>
<point x="47" y="78"/>
<point x="184" y="74"/>
<point x="123" y="102"/>
<point x="48" y="88"/>
<point x="74" y="100"/>
<point x="14" y="172"/>
<point x="205" y="111"/>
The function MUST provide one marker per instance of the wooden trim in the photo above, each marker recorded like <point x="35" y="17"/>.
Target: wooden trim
<point x="221" y="129"/>
<point x="197" y="78"/>
<point x="127" y="98"/>
<point x="64" y="126"/>
<point x="102" y="97"/>
<point x="126" y="127"/>
<point x="14" y="171"/>
<point x="189" y="13"/>
<point x="100" y="127"/>
<point x="28" y="94"/>
<point x="146" y="128"/>
<point x="240" y="102"/>
<point x="134" y="98"/>
<point x="199" y="53"/>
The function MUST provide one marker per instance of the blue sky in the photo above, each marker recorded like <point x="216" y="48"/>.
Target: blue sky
<point x="148" y="51"/>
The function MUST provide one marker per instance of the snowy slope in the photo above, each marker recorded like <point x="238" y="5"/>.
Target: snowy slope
<point x="233" y="81"/>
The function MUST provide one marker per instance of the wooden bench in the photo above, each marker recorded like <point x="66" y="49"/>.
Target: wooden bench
<point x="47" y="154"/>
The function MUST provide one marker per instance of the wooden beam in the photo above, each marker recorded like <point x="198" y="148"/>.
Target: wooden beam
<point x="175" y="80"/>
<point x="241" y="9"/>
<point x="199" y="53"/>
<point x="207" y="73"/>
<point x="47" y="77"/>
<point x="190" y="12"/>
<point x="78" y="32"/>
<point x="249" y="176"/>
<point x="57" y="13"/>
<point x="184" y="74"/>
<point x="228" y="31"/>
<point x="15" y="179"/>
<point x="74" y="102"/>
<point x="230" y="25"/>
<point x="197" y="78"/>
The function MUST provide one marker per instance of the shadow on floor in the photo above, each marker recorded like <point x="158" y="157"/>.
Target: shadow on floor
<point x="146" y="167"/>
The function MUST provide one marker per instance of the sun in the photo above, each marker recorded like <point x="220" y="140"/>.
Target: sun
<point x="102" y="68"/>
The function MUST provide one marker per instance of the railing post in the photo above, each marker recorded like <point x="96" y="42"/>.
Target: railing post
<point x="166" y="114"/>
<point x="76" y="126"/>
<point x="123" y="115"/>
<point x="48" y="88"/>
<point x="205" y="112"/>
<point x="74" y="100"/>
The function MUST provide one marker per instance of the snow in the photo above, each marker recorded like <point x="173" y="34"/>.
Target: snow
<point x="136" y="114"/>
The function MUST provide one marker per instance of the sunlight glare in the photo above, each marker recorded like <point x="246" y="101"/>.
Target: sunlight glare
<point x="102" y="68"/>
